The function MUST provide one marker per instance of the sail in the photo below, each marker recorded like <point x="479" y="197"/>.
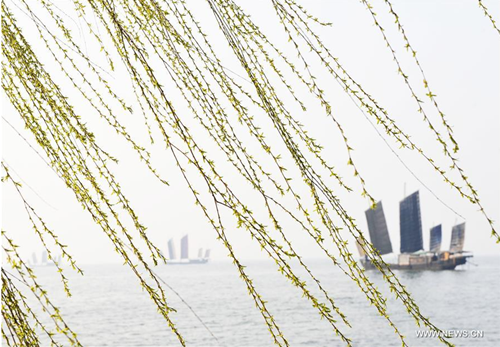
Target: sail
<point x="172" y="254"/>
<point x="33" y="256"/>
<point x="200" y="253"/>
<point x="410" y="224"/>
<point x="457" y="238"/>
<point x="44" y="258"/>
<point x="207" y="254"/>
<point x="360" y="244"/>
<point x="185" y="247"/>
<point x="435" y="241"/>
<point x="379" y="235"/>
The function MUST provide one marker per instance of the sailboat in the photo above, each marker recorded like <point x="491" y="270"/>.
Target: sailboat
<point x="44" y="260"/>
<point x="412" y="254"/>
<point x="185" y="260"/>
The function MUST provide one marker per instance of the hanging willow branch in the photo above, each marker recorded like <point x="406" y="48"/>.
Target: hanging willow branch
<point x="165" y="50"/>
<point x="488" y="15"/>
<point x="19" y="318"/>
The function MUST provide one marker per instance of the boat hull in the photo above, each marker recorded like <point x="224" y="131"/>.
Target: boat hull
<point x="433" y="262"/>
<point x="187" y="262"/>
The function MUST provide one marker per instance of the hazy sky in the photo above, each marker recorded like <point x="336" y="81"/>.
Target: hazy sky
<point x="459" y="51"/>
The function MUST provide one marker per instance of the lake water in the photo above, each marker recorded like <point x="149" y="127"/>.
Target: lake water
<point x="109" y="309"/>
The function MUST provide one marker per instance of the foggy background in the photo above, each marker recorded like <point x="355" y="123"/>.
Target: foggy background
<point x="459" y="51"/>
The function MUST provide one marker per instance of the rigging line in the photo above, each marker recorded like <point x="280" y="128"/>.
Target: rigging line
<point x="29" y="144"/>
<point x="161" y="279"/>
<point x="229" y="70"/>
<point x="184" y="301"/>
<point x="379" y="134"/>
<point x="78" y="24"/>
<point x="27" y="185"/>
<point x="165" y="283"/>
<point x="15" y="277"/>
<point x="386" y="143"/>
<point x="399" y="158"/>
<point x="383" y="139"/>
<point x="190" y="308"/>
<point x="34" y="18"/>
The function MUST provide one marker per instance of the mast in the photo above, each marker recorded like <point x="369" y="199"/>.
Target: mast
<point x="457" y="238"/>
<point x="44" y="258"/>
<point x="435" y="239"/>
<point x="185" y="247"/>
<point x="172" y="254"/>
<point x="377" y="226"/>
<point x="410" y="224"/>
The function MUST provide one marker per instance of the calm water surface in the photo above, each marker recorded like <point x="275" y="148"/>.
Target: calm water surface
<point x="109" y="309"/>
